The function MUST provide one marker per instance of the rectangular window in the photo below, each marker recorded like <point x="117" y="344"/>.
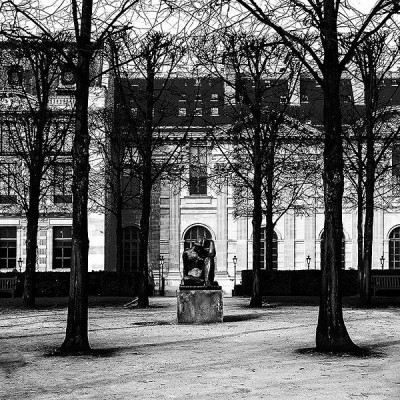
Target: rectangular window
<point x="14" y="75"/>
<point x="182" y="111"/>
<point x="8" y="247"/>
<point x="61" y="131"/>
<point x="62" y="182"/>
<point x="7" y="175"/>
<point x="263" y="251"/>
<point x="214" y="111"/>
<point x="396" y="160"/>
<point x="6" y="131"/>
<point x="214" y="96"/>
<point x="130" y="186"/>
<point x="198" y="111"/>
<point x="62" y="247"/>
<point x="198" y="170"/>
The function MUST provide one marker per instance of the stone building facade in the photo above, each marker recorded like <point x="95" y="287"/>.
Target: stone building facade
<point x="17" y="96"/>
<point x="180" y="215"/>
<point x="181" y="212"/>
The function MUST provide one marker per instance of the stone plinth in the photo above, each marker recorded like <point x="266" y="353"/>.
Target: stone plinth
<point x="197" y="305"/>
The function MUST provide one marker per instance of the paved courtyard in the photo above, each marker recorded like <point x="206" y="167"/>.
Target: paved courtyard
<point x="253" y="354"/>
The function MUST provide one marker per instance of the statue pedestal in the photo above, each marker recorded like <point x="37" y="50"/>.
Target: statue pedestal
<point x="199" y="305"/>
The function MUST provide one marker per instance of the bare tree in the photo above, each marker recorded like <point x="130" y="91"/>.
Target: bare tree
<point x="370" y="140"/>
<point x="90" y="26"/>
<point x="256" y="68"/>
<point x="147" y="110"/>
<point x="311" y="30"/>
<point x="113" y="153"/>
<point x="37" y="136"/>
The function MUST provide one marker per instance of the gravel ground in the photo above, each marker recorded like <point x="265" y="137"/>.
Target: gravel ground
<point x="144" y="354"/>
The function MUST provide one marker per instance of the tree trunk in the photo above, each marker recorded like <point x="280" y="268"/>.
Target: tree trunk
<point x="256" y="296"/>
<point x="369" y="212"/>
<point x="360" y="208"/>
<point x="76" y="339"/>
<point x="331" y="334"/>
<point x="119" y="234"/>
<point x="143" y="300"/>
<point x="147" y="183"/>
<point x="32" y="217"/>
<point x="269" y="224"/>
<point x="368" y="238"/>
<point x="269" y="232"/>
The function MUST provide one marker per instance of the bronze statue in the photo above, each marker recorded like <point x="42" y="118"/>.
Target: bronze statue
<point x="198" y="263"/>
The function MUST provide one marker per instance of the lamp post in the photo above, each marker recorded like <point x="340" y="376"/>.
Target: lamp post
<point x="382" y="260"/>
<point x="20" y="264"/>
<point x="161" y="276"/>
<point x="308" y="259"/>
<point x="234" y="259"/>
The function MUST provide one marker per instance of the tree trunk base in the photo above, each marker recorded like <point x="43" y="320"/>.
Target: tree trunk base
<point x="28" y="303"/>
<point x="365" y="301"/>
<point x="256" y="302"/>
<point x="143" y="302"/>
<point x="339" y="342"/>
<point x="74" y="347"/>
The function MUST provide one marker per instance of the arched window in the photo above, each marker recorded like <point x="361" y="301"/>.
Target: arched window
<point x="394" y="249"/>
<point x="343" y="249"/>
<point x="130" y="248"/>
<point x="274" y="250"/>
<point x="193" y="233"/>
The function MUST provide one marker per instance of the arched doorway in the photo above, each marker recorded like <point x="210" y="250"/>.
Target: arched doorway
<point x="193" y="233"/>
<point x="130" y="248"/>
<point x="274" y="249"/>
<point x="394" y="249"/>
<point x="343" y="249"/>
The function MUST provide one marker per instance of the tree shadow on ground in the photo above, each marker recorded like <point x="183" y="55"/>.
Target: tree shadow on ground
<point x="92" y="353"/>
<point x="10" y="366"/>
<point x="240" y="317"/>
<point x="364" y="352"/>
<point x="152" y="323"/>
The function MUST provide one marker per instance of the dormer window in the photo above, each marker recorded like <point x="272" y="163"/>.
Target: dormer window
<point x="304" y="98"/>
<point x="14" y="75"/>
<point x="68" y="77"/>
<point x="283" y="100"/>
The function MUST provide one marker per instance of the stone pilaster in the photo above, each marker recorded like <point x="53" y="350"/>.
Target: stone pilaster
<point x="242" y="245"/>
<point x="173" y="274"/>
<point x="289" y="240"/>
<point x="222" y="232"/>
<point x="354" y="238"/>
<point x="378" y="246"/>
<point x="309" y="239"/>
<point x="154" y="234"/>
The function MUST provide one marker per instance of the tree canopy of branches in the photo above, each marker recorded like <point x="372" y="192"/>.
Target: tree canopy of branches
<point x="89" y="25"/>
<point x="37" y="137"/>
<point x="146" y="108"/>
<point x="257" y="71"/>
<point x="370" y="140"/>
<point x="311" y="31"/>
